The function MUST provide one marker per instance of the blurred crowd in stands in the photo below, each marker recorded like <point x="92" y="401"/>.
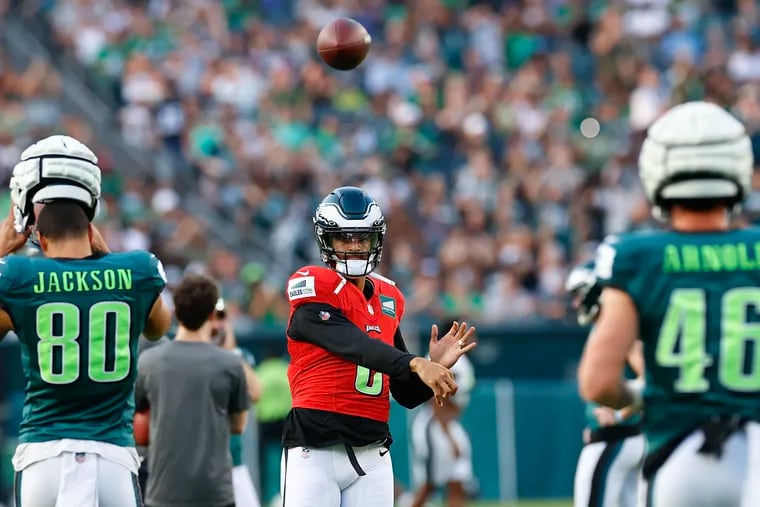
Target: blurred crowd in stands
<point x="463" y="122"/>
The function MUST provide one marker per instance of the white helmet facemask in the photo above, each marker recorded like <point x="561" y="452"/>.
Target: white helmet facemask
<point x="352" y="267"/>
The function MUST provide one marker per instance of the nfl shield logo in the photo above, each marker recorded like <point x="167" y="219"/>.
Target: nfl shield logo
<point x="324" y="315"/>
<point x="79" y="457"/>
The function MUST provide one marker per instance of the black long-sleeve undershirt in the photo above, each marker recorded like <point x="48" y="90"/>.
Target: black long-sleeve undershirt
<point x="343" y="338"/>
<point x="340" y="336"/>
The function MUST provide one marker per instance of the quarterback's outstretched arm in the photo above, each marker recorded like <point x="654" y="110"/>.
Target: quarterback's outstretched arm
<point x="343" y="338"/>
<point x="412" y="391"/>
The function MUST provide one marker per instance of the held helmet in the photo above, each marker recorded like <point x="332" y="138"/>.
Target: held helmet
<point x="585" y="290"/>
<point x="349" y="214"/>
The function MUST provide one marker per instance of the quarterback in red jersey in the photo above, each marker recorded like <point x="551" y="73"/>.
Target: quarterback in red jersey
<point x="346" y="356"/>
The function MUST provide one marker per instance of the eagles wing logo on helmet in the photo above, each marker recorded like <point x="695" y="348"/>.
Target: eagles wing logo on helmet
<point x="699" y="151"/>
<point x="57" y="167"/>
<point x="349" y="213"/>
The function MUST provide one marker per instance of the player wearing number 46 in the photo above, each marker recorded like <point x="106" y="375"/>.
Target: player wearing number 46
<point x="346" y="354"/>
<point x="692" y="295"/>
<point x="78" y="312"/>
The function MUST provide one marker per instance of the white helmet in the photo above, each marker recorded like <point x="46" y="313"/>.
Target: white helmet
<point x="584" y="288"/>
<point x="57" y="167"/>
<point x="696" y="151"/>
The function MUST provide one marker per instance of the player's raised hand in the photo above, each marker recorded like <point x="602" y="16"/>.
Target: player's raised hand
<point x="10" y="239"/>
<point x="97" y="243"/>
<point x="451" y="346"/>
<point x="437" y="377"/>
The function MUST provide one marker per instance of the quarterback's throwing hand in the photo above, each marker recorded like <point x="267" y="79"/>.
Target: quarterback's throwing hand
<point x="436" y="377"/>
<point x="457" y="342"/>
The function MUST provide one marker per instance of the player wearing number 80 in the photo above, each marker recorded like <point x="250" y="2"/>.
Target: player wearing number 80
<point x="347" y="354"/>
<point x="78" y="312"/>
<point x="692" y="295"/>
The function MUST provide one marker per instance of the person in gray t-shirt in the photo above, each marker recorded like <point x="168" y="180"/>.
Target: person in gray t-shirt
<point x="197" y="396"/>
<point x="144" y="344"/>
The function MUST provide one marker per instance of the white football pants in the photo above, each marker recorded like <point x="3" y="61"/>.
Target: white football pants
<point x="337" y="476"/>
<point x="76" y="479"/>
<point x="690" y="479"/>
<point x="608" y="473"/>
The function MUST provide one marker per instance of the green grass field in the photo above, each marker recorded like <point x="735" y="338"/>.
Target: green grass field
<point x="524" y="503"/>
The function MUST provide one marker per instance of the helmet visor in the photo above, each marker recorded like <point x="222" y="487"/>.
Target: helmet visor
<point x="353" y="241"/>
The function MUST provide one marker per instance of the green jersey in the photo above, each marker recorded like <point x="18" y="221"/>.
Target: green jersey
<point x="698" y="302"/>
<point x="78" y="323"/>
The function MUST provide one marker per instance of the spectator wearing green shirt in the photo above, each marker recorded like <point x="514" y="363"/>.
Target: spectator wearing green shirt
<point x="271" y="409"/>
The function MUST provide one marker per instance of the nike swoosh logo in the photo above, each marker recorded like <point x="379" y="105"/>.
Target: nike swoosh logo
<point x="304" y="273"/>
<point x="383" y="453"/>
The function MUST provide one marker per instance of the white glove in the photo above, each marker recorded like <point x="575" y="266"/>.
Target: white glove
<point x="54" y="168"/>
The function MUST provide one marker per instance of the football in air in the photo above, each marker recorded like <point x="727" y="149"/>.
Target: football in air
<point x="343" y="44"/>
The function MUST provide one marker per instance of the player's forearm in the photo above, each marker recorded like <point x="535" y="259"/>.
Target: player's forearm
<point x="617" y="394"/>
<point x="636" y="358"/>
<point x="411" y="392"/>
<point x="238" y="421"/>
<point x="159" y="320"/>
<point x="340" y="336"/>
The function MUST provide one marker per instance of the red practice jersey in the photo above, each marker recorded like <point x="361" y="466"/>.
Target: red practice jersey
<point x="323" y="381"/>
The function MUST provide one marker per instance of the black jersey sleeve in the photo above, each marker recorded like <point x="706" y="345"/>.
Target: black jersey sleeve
<point x="325" y="326"/>
<point x="412" y="391"/>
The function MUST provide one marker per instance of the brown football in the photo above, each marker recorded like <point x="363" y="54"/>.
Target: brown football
<point x="343" y="44"/>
